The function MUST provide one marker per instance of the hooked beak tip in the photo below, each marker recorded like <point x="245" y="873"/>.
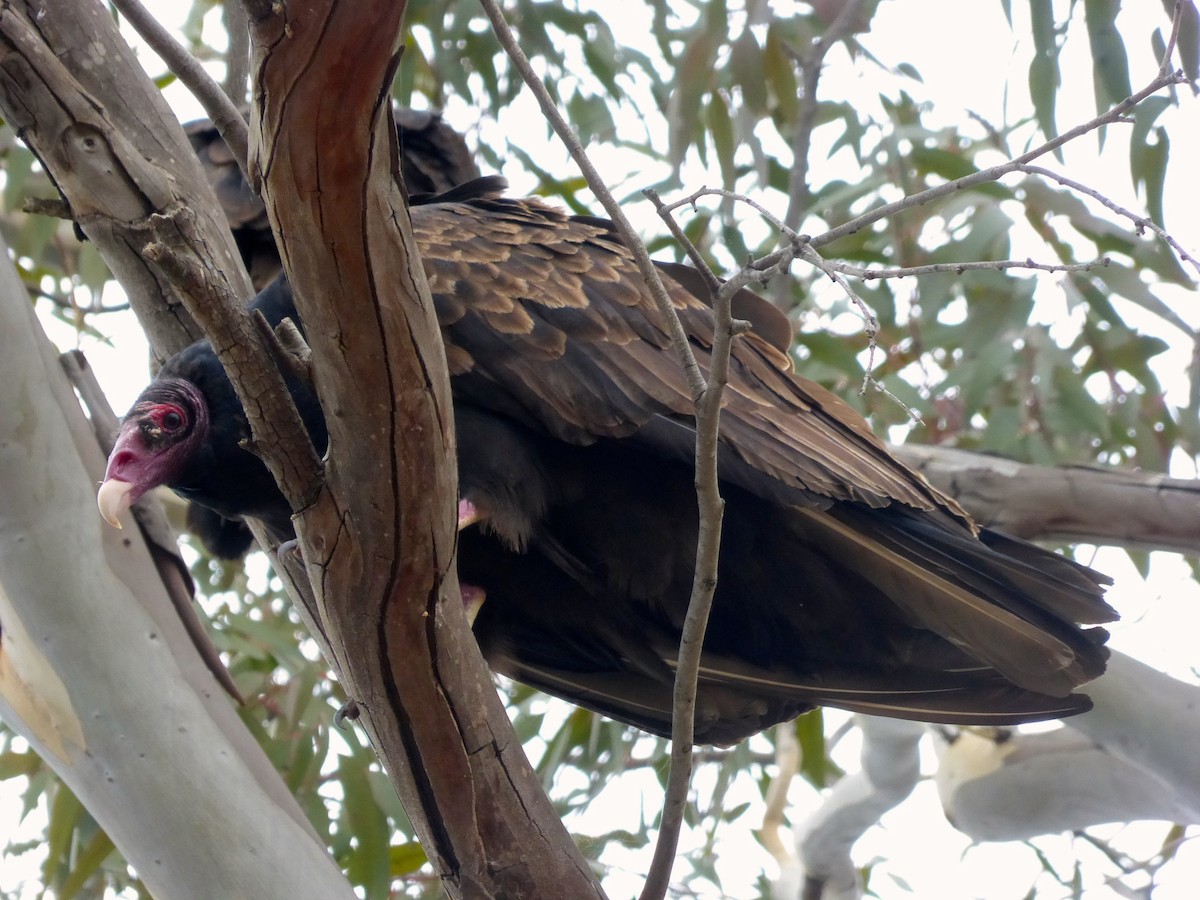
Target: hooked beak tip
<point x="113" y="498"/>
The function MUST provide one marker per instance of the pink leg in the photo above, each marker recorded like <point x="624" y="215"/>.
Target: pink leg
<point x="473" y="598"/>
<point x="468" y="514"/>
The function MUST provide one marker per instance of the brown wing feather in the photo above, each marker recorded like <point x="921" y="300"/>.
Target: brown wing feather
<point x="557" y="312"/>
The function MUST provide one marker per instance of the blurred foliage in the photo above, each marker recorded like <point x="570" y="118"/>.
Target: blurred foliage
<point x="1036" y="367"/>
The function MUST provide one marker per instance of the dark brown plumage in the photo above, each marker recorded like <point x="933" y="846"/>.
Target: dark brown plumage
<point x="845" y="578"/>
<point x="433" y="159"/>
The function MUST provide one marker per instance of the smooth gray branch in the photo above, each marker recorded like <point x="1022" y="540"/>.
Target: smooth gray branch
<point x="217" y="106"/>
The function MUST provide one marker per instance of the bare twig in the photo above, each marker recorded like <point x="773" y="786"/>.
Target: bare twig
<point x="810" y="69"/>
<point x="704" y="578"/>
<point x="712" y="507"/>
<point x="1140" y="222"/>
<point x="217" y="106"/>
<point x="289" y="455"/>
<point x="986" y="176"/>
<point x="806" y="118"/>
<point x="286" y="345"/>
<point x="237" y="54"/>
<point x="679" y="339"/>
<point x="1164" y="66"/>
<point x="706" y="396"/>
<point x="995" y="265"/>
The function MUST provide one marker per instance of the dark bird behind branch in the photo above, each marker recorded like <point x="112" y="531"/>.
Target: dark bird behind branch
<point x="846" y="580"/>
<point x="433" y="159"/>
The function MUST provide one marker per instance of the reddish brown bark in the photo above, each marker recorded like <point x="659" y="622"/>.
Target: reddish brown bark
<point x="379" y="541"/>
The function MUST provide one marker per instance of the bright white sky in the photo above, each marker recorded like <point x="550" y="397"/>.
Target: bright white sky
<point x="962" y="70"/>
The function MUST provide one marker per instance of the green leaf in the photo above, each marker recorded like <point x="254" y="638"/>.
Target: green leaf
<point x="720" y="129"/>
<point x="746" y="65"/>
<point x="1189" y="41"/>
<point x="1003" y="432"/>
<point x="1044" y="78"/>
<point x="780" y="76"/>
<point x="1109" y="61"/>
<point x="1145" y="114"/>
<point x="18" y="163"/>
<point x="815" y="765"/>
<point x="1155" y="159"/>
<point x="367" y="864"/>
<point x="1124" y="281"/>
<point x="93" y="854"/>
<point x="693" y="80"/>
<point x="404" y="859"/>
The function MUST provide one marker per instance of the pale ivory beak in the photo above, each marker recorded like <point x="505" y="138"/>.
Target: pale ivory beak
<point x="114" y="498"/>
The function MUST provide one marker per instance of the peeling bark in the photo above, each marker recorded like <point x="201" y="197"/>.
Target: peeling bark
<point x="379" y="540"/>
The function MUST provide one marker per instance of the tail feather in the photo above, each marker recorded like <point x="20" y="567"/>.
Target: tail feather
<point x="971" y="595"/>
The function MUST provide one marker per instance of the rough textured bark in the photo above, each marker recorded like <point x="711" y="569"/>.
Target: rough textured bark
<point x="379" y="540"/>
<point x="97" y="672"/>
<point x="75" y="93"/>
<point x="1068" y="503"/>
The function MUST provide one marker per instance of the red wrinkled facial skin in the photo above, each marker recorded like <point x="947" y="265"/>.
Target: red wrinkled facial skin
<point x="158" y="435"/>
<point x="161" y="421"/>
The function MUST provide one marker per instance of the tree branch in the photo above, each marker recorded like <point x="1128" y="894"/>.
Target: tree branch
<point x="1141" y="223"/>
<point x="217" y="104"/>
<point x="1065" y="503"/>
<point x="76" y="95"/>
<point x="277" y="435"/>
<point x="378" y="541"/>
<point x="985" y="176"/>
<point x="806" y="118"/>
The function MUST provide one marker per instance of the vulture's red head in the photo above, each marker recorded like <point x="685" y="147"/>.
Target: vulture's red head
<point x="157" y="439"/>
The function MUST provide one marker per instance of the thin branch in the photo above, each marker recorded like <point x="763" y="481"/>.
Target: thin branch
<point x="995" y="265"/>
<point x="806" y="119"/>
<point x="289" y="454"/>
<point x="707" y="398"/>
<point x="1164" y="66"/>
<point x="679" y="339"/>
<point x="236" y="19"/>
<point x="1140" y="222"/>
<point x="690" y="200"/>
<point x="287" y="347"/>
<point x="986" y="176"/>
<point x="810" y="69"/>
<point x="217" y="106"/>
<point x="704" y="579"/>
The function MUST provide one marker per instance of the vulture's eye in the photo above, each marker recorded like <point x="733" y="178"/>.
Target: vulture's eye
<point x="172" y="420"/>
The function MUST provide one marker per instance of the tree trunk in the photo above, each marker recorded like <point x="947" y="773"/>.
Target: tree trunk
<point x="98" y="674"/>
<point x="326" y="150"/>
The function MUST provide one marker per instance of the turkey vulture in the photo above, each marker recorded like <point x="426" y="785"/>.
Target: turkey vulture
<point x="846" y="579"/>
<point x="433" y="159"/>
